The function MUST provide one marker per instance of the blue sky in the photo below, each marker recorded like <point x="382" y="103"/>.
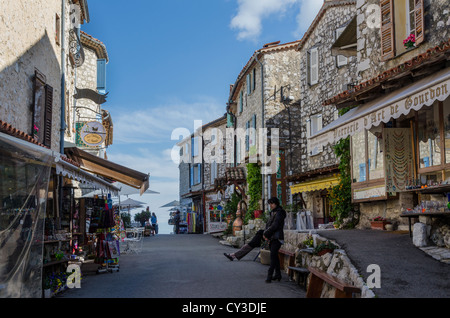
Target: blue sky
<point x="172" y="62"/>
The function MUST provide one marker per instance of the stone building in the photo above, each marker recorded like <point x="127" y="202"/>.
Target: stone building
<point x="323" y="74"/>
<point x="400" y="103"/>
<point x="263" y="97"/>
<point x="202" y="162"/>
<point x="89" y="96"/>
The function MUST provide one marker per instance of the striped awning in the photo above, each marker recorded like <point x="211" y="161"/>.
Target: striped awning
<point x="319" y="184"/>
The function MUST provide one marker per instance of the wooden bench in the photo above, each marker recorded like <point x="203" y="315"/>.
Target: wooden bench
<point x="282" y="254"/>
<point x="318" y="277"/>
<point x="301" y="272"/>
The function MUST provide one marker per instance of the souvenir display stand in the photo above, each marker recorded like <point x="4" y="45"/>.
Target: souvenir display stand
<point x="102" y="223"/>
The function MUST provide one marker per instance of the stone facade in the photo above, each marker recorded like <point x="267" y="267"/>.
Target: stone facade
<point x="28" y="42"/>
<point x="333" y="75"/>
<point x="31" y="41"/>
<point x="370" y="64"/>
<point x="332" y="78"/>
<point x="279" y="64"/>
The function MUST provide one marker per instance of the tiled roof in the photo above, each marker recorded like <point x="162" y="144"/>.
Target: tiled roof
<point x="418" y="60"/>
<point x="269" y="47"/>
<point x="14" y="132"/>
<point x="95" y="44"/>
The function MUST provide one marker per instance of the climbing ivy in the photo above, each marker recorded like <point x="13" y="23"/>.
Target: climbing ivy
<point x="341" y="195"/>
<point x="254" y="182"/>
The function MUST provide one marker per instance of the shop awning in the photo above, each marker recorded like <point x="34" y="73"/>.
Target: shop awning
<point x="391" y="106"/>
<point x="109" y="169"/>
<point x="315" y="185"/>
<point x="68" y="170"/>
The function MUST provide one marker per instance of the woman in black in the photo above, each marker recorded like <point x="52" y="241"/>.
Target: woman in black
<point x="273" y="234"/>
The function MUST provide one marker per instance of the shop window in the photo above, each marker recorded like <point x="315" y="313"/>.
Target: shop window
<point x="375" y="152"/>
<point x="359" y="157"/>
<point x="446" y="120"/>
<point x="429" y="137"/>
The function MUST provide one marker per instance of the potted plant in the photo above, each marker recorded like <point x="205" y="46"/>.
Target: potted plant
<point x="378" y="223"/>
<point x="410" y="41"/>
<point x="308" y="242"/>
<point x="324" y="247"/>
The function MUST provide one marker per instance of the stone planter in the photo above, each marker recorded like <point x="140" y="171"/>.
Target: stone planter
<point x="378" y="225"/>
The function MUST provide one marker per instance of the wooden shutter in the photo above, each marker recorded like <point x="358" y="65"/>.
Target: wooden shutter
<point x="248" y="85"/>
<point x="48" y="116"/>
<point x="387" y="30"/>
<point x="420" y="22"/>
<point x="191" y="175"/>
<point x="199" y="173"/>
<point x="101" y="75"/>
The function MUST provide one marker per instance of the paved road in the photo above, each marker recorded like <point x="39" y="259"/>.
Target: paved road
<point x="185" y="266"/>
<point x="406" y="271"/>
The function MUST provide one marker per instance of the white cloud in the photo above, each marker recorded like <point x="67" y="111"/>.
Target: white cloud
<point x="248" y="19"/>
<point x="307" y="14"/>
<point x="251" y="13"/>
<point x="155" y="124"/>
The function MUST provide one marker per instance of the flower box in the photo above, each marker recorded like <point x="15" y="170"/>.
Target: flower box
<point x="378" y="225"/>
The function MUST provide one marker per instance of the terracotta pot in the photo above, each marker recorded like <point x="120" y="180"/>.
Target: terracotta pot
<point x="325" y="251"/>
<point x="378" y="225"/>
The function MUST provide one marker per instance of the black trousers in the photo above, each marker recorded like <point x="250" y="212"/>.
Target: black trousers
<point x="274" y="247"/>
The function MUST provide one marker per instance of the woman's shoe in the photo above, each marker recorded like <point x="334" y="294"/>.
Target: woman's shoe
<point x="268" y="280"/>
<point x="228" y="256"/>
<point x="277" y="277"/>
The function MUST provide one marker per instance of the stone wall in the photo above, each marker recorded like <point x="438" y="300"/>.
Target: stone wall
<point x="336" y="264"/>
<point x="27" y="41"/>
<point x="332" y="80"/>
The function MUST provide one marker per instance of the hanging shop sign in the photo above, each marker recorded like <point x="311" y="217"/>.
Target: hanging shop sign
<point x="91" y="95"/>
<point x="93" y="133"/>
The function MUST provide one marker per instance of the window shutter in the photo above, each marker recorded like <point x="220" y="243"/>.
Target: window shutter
<point x="241" y="102"/>
<point x="101" y="75"/>
<point x="420" y="22"/>
<point x="191" y="176"/>
<point x="247" y="126"/>
<point x="48" y="116"/>
<point x="254" y="79"/>
<point x="248" y="85"/>
<point x="199" y="173"/>
<point x="314" y="66"/>
<point x="387" y="30"/>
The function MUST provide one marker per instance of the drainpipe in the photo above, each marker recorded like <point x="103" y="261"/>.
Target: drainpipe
<point x="63" y="126"/>
<point x="262" y="126"/>
<point x="63" y="76"/>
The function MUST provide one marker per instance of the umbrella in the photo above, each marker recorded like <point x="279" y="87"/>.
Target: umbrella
<point x="130" y="203"/>
<point x="170" y="204"/>
<point x="127" y="190"/>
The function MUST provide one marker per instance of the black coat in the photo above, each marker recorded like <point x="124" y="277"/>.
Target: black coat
<point x="275" y="225"/>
